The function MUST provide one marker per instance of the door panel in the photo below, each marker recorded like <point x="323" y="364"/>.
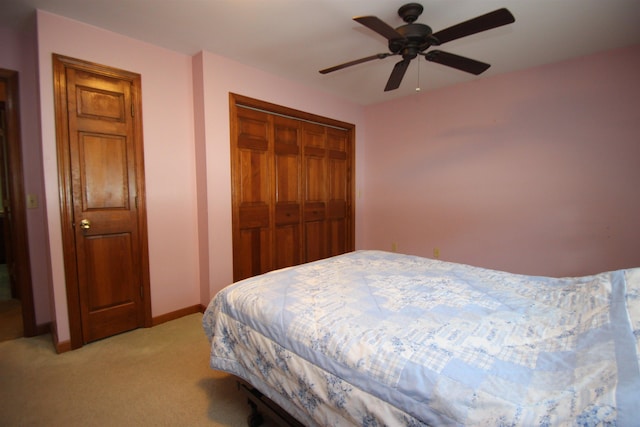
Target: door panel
<point x="287" y="250"/>
<point x="252" y="195"/>
<point x="108" y="290"/>
<point x="105" y="176"/>
<point x="254" y="168"/>
<point x="315" y="141"/>
<point x="338" y="188"/>
<point x="253" y="258"/>
<point x="100" y="153"/>
<point x="315" y="242"/>
<point x="287" y="228"/>
<point x="111" y="301"/>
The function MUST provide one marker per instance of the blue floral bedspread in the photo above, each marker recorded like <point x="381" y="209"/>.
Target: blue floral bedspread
<point x="373" y="338"/>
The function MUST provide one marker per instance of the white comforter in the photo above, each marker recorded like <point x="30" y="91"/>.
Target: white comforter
<point x="374" y="338"/>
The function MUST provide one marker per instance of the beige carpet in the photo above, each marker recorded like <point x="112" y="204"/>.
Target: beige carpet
<point x="148" y="377"/>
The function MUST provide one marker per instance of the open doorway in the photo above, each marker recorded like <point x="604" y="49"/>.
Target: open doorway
<point x="17" y="316"/>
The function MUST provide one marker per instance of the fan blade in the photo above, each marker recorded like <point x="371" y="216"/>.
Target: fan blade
<point x="455" y="61"/>
<point x="397" y="74"/>
<point x="357" y="61"/>
<point x="379" y="26"/>
<point x="494" y="19"/>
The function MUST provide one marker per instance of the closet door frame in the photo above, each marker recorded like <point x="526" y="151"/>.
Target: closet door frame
<point x="236" y="102"/>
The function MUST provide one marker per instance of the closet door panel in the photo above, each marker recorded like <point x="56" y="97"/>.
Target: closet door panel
<point x="252" y="194"/>
<point x="287" y="251"/>
<point x="315" y="143"/>
<point x="254" y="177"/>
<point x="288" y="195"/>
<point x="315" y="194"/>
<point x="315" y="179"/>
<point x="254" y="259"/>
<point x="315" y="241"/>
<point x="338" y="181"/>
<point x="336" y="243"/>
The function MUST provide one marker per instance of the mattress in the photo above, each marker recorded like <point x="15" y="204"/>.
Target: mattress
<point x="377" y="338"/>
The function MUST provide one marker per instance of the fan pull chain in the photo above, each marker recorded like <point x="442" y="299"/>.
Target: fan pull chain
<point x="418" y="86"/>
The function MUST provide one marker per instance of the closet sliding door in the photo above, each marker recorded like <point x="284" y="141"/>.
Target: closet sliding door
<point x="292" y="186"/>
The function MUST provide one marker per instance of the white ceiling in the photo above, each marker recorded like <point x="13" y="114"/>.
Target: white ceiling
<point x="296" y="38"/>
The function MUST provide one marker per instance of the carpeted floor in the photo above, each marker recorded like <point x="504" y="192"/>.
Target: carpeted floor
<point x="158" y="376"/>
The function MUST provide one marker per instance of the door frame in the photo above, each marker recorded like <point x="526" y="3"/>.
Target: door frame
<point x="20" y="246"/>
<point x="60" y="64"/>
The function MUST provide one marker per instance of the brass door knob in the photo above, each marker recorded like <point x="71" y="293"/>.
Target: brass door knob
<point x="85" y="224"/>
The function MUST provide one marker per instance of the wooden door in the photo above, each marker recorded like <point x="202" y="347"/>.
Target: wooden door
<point x="338" y="220"/>
<point x="315" y="194"/>
<point x="251" y="193"/>
<point x="267" y="193"/>
<point x="327" y="191"/>
<point x="292" y="187"/>
<point x="287" y="150"/>
<point x="103" y="211"/>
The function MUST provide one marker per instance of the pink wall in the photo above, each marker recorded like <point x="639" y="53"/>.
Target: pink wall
<point x="169" y="156"/>
<point x="532" y="172"/>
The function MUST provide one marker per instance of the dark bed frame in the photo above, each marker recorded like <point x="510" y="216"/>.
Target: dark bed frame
<point x="262" y="406"/>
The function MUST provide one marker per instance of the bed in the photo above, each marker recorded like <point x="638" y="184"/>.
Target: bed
<point x="375" y="338"/>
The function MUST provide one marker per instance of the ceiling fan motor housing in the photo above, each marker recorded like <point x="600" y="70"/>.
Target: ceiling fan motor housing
<point x="415" y="39"/>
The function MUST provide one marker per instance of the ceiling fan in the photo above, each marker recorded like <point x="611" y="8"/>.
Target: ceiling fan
<point x="413" y="39"/>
